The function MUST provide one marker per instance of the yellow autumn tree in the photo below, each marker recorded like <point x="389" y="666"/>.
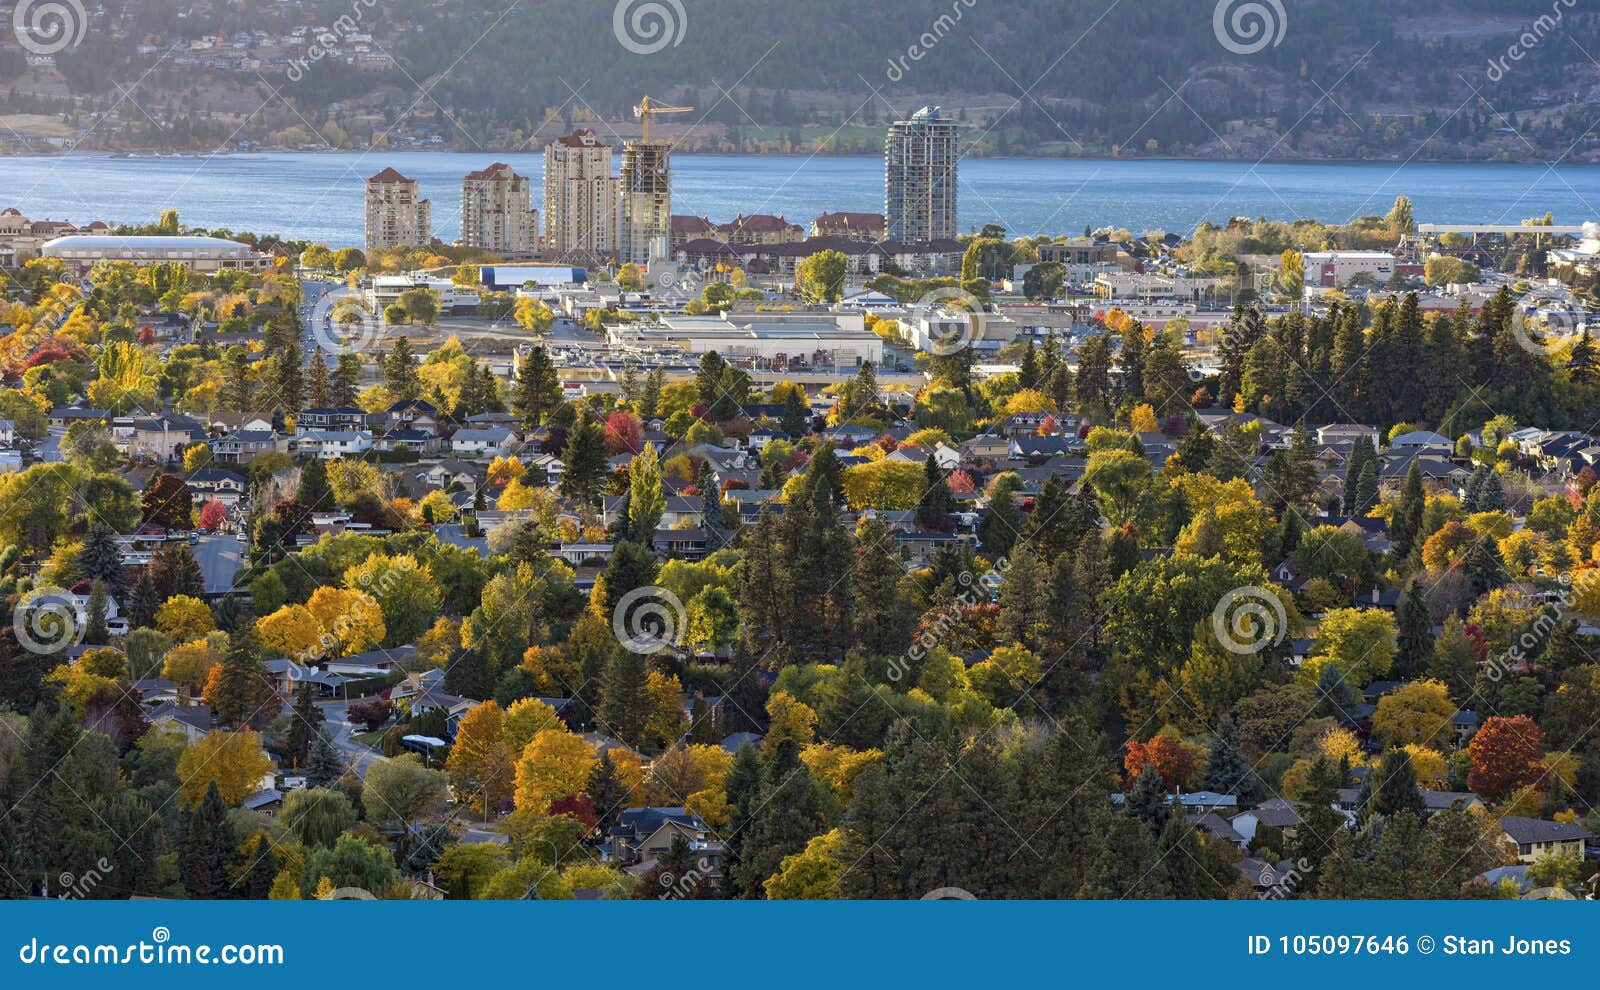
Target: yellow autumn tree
<point x="789" y="718"/>
<point x="352" y="619"/>
<point x="554" y="765"/>
<point x="184" y="618"/>
<point x="292" y="631"/>
<point x="189" y="663"/>
<point x="525" y="719"/>
<point x="1143" y="419"/>
<point x="481" y="766"/>
<point x="234" y="761"/>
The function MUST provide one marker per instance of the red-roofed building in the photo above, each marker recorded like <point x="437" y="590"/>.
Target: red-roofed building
<point x="396" y="213"/>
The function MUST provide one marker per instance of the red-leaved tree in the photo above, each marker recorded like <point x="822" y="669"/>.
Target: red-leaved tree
<point x="1171" y="759"/>
<point x="1507" y="754"/>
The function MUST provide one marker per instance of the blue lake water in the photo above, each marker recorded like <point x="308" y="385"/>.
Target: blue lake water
<point x="318" y="196"/>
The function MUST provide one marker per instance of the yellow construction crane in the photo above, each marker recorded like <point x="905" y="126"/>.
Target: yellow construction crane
<point x="648" y="107"/>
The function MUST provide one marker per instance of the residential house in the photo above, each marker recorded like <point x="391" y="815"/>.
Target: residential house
<point x="417" y="414"/>
<point x="225" y="486"/>
<point x="488" y="441"/>
<point x="64" y="416"/>
<point x="643" y="834"/>
<point x="194" y="721"/>
<point x="339" y="418"/>
<point x="423" y="443"/>
<point x="1536" y="838"/>
<point x="244" y="446"/>
<point x="1274" y="813"/>
<point x="163" y="438"/>
<point x="331" y="445"/>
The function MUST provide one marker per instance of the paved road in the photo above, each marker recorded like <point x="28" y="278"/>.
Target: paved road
<point x="220" y="557"/>
<point x="456" y="535"/>
<point x="341" y="731"/>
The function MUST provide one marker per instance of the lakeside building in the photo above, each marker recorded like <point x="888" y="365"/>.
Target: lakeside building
<point x="646" y="186"/>
<point x="580" y="196"/>
<point x="81" y="252"/>
<point x="497" y="211"/>
<point x="397" y="215"/>
<point x="919" y="160"/>
<point x="868" y="227"/>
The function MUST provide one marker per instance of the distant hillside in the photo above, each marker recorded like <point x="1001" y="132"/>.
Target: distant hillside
<point x="1346" y="78"/>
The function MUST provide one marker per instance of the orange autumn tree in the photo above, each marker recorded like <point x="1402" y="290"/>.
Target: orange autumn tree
<point x="1171" y="759"/>
<point x="1507" y="754"/>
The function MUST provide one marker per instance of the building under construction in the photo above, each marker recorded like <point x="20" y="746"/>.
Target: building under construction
<point x="646" y="198"/>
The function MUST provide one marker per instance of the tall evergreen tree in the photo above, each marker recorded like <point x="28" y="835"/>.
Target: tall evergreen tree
<point x="935" y="504"/>
<point x="319" y="388"/>
<point x="100" y="559"/>
<point x="624" y="706"/>
<point x="314" y="491"/>
<point x="584" y="461"/>
<point x="143" y="602"/>
<point x="607" y="792"/>
<point x="1128" y="865"/>
<point x="787" y="815"/>
<point x="1405" y="527"/>
<point x="305" y="724"/>
<point x="400" y="371"/>
<point x="1394" y="786"/>
<point x="1227" y="770"/>
<point x="207" y="849"/>
<point x="538" y="388"/>
<point x="1416" y="633"/>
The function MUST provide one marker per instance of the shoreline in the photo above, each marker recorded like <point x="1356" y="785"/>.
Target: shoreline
<point x="1394" y="161"/>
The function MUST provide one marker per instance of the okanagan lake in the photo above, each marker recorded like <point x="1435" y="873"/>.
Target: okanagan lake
<point x="318" y="196"/>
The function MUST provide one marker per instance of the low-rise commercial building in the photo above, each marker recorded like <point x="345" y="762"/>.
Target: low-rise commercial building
<point x="81" y="252"/>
